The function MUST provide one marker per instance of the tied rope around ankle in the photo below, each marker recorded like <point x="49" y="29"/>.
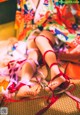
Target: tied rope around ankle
<point x="51" y="99"/>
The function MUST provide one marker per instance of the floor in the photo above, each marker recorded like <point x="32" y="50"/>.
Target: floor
<point x="7" y="30"/>
<point x="63" y="106"/>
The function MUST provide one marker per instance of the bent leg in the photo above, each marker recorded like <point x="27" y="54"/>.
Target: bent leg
<point x="28" y="70"/>
<point x="44" y="45"/>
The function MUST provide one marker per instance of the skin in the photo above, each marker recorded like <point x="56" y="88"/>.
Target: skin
<point x="27" y="71"/>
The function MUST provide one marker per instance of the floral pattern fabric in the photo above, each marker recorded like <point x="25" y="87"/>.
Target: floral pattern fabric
<point x="57" y="18"/>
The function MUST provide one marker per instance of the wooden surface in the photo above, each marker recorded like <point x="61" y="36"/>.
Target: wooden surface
<point x="7" y="30"/>
<point x="64" y="106"/>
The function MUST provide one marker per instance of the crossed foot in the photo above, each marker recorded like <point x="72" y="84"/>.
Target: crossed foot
<point x="36" y="84"/>
<point x="29" y="91"/>
<point x="33" y="87"/>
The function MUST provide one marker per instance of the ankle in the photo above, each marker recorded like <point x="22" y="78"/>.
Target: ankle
<point x="55" y="70"/>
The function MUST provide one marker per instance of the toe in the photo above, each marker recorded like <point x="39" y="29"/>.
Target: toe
<point x="22" y="92"/>
<point x="26" y="91"/>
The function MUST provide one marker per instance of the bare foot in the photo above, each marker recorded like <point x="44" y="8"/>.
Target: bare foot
<point x="26" y="91"/>
<point x="57" y="79"/>
<point x="56" y="83"/>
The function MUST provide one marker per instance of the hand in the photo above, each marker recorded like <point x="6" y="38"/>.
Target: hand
<point x="75" y="50"/>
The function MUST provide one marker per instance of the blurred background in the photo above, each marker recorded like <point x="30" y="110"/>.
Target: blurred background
<point x="7" y="19"/>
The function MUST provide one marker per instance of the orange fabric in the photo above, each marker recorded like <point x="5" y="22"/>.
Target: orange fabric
<point x="24" y="33"/>
<point x="4" y="84"/>
<point x="74" y="43"/>
<point x="73" y="71"/>
<point x="66" y="16"/>
<point x="3" y="0"/>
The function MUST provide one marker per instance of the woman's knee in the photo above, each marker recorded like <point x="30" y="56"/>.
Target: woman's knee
<point x="45" y="36"/>
<point x="31" y="44"/>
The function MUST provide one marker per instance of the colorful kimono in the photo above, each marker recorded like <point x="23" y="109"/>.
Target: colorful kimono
<point x="52" y="16"/>
<point x="48" y="15"/>
<point x="59" y="20"/>
<point x="27" y="16"/>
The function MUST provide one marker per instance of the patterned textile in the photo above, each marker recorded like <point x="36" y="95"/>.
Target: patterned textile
<point x="48" y="15"/>
<point x="63" y="20"/>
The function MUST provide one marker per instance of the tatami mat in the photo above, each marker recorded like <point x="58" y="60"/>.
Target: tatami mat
<point x="7" y="30"/>
<point x="64" y="106"/>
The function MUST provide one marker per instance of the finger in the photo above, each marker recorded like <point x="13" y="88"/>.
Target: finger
<point x="74" y="51"/>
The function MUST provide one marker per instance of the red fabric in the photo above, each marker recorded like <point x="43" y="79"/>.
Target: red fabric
<point x="66" y="16"/>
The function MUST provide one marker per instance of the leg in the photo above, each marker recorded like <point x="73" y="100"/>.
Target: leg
<point x="35" y="89"/>
<point x="27" y="72"/>
<point x="50" y="57"/>
<point x="29" y="69"/>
